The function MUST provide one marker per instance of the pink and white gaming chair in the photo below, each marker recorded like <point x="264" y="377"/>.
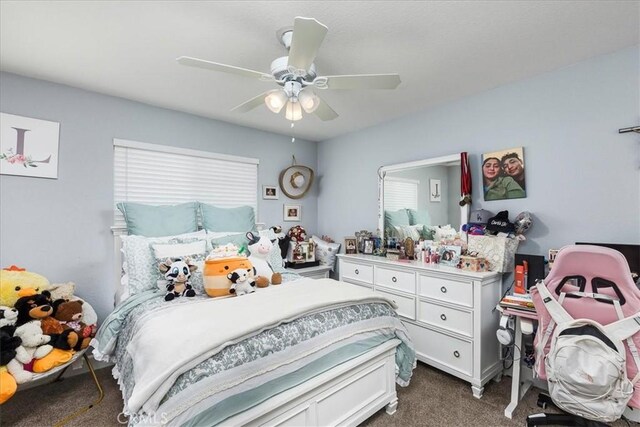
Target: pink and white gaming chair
<point x="598" y="270"/>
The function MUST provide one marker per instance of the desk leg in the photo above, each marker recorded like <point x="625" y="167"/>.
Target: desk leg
<point x="86" y="408"/>
<point x="516" y="393"/>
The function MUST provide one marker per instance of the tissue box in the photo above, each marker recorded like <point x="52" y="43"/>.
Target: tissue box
<point x="499" y="251"/>
<point x="473" y="263"/>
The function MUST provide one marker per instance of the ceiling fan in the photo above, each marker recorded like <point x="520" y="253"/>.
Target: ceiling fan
<point x="296" y="74"/>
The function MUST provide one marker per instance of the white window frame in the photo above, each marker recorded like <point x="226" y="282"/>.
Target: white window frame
<point x="219" y="179"/>
<point x="410" y="189"/>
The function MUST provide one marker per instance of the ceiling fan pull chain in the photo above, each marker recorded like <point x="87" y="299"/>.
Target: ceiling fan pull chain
<point x="293" y="139"/>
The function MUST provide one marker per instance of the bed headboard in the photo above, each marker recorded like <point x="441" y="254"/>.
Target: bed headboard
<point x="118" y="290"/>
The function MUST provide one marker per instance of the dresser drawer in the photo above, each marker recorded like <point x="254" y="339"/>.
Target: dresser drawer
<point x="353" y="271"/>
<point x="406" y="305"/>
<point x="446" y="290"/>
<point x="395" y="279"/>
<point x="450" y="319"/>
<point x="451" y="352"/>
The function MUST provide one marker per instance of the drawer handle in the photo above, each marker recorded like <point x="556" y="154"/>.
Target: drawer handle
<point x="393" y="279"/>
<point x="456" y="353"/>
<point x="357" y="271"/>
<point x="443" y="290"/>
<point x="443" y="317"/>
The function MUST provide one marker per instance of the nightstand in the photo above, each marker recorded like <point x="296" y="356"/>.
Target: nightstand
<point x="318" y="272"/>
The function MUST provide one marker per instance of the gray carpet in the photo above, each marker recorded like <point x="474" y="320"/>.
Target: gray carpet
<point x="432" y="399"/>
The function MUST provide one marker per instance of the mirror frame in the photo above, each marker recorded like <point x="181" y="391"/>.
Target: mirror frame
<point x="464" y="210"/>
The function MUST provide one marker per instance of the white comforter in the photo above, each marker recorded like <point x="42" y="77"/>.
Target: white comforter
<point x="166" y="346"/>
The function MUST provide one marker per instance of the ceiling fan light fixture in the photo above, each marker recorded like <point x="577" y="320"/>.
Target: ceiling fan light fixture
<point x="275" y="101"/>
<point x="309" y="101"/>
<point x="293" y="111"/>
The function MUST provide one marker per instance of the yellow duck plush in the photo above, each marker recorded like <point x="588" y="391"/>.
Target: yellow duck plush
<point x="16" y="282"/>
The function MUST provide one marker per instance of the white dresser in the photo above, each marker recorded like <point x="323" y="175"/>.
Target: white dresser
<point x="449" y="312"/>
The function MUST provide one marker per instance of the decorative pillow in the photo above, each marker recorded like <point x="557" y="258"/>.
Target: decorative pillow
<point x="443" y="232"/>
<point x="156" y="221"/>
<point x="196" y="251"/>
<point x="241" y="219"/>
<point x="326" y="252"/>
<point x="407" y="231"/>
<point x="396" y="218"/>
<point x="140" y="261"/>
<point x="419" y="217"/>
<point x="215" y="239"/>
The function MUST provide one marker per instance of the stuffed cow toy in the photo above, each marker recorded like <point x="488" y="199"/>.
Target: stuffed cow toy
<point x="177" y="273"/>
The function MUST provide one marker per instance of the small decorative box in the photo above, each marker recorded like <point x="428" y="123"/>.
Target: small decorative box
<point x="473" y="263"/>
<point x="393" y="254"/>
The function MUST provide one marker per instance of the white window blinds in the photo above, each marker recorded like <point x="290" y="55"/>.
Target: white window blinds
<point x="400" y="193"/>
<point x="163" y="175"/>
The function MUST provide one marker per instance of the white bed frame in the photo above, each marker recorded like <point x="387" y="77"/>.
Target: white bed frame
<point x="344" y="395"/>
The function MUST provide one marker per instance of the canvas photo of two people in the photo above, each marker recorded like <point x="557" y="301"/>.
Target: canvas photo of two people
<point x="503" y="174"/>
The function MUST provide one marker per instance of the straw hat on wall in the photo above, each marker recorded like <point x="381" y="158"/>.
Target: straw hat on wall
<point x="296" y="180"/>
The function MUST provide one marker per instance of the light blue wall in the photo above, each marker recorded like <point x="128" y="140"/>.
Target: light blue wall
<point x="60" y="228"/>
<point x="583" y="181"/>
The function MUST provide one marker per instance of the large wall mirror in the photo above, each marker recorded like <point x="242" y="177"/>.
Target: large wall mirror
<point x="418" y="194"/>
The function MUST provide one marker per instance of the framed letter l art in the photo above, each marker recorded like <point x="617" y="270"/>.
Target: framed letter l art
<point x="28" y="147"/>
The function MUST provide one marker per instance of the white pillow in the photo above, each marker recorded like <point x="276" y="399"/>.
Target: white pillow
<point x="195" y="251"/>
<point x="326" y="252"/>
<point x="404" y="231"/>
<point x="139" y="259"/>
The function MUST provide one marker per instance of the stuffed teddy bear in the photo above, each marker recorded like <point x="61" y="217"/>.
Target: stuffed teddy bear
<point x="62" y="291"/>
<point x="69" y="313"/>
<point x="12" y="354"/>
<point x="177" y="273"/>
<point x="241" y="281"/>
<point x="34" y="341"/>
<point x="260" y="246"/>
<point x="16" y="282"/>
<point x="38" y="307"/>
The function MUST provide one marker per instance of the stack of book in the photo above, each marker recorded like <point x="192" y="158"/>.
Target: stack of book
<point x="518" y="302"/>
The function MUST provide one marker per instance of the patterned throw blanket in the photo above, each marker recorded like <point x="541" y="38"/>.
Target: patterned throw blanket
<point x="277" y="321"/>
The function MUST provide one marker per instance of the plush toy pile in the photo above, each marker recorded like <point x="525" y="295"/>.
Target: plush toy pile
<point x="41" y="327"/>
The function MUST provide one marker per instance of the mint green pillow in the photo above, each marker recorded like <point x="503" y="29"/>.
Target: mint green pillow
<point x="419" y="217"/>
<point x="238" y="239"/>
<point x="241" y="219"/>
<point x="396" y="218"/>
<point x="162" y="220"/>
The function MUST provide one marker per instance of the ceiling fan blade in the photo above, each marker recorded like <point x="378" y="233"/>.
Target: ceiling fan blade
<point x="308" y="35"/>
<point x="252" y="103"/>
<point x="324" y="112"/>
<point x="358" y="81"/>
<point x="208" y="65"/>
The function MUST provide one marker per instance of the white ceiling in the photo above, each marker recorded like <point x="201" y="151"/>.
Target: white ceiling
<point x="443" y="50"/>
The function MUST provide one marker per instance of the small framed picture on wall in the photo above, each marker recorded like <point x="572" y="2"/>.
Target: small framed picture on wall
<point x="270" y="192"/>
<point x="292" y="213"/>
<point x="435" y="195"/>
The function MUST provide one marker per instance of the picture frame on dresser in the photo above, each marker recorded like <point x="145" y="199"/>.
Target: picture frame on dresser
<point x="350" y="245"/>
<point x="369" y="246"/>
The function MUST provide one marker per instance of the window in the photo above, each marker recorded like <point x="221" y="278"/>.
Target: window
<point x="163" y="175"/>
<point x="400" y="193"/>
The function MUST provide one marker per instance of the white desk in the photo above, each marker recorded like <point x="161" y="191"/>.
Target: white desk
<point x="518" y="389"/>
